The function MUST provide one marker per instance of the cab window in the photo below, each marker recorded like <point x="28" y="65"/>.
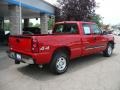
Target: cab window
<point x="66" y="28"/>
<point x="96" y="29"/>
<point x="86" y="29"/>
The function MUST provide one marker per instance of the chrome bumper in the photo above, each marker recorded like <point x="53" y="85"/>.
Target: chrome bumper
<point x="24" y="58"/>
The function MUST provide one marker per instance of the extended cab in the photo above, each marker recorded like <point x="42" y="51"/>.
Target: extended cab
<point x="70" y="39"/>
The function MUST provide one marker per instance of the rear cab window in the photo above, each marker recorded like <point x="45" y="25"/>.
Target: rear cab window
<point x="66" y="28"/>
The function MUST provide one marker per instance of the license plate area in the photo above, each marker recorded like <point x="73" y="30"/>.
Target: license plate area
<point x="18" y="56"/>
<point x="15" y="56"/>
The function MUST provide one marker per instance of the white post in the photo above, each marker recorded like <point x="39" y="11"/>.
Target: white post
<point x="20" y="6"/>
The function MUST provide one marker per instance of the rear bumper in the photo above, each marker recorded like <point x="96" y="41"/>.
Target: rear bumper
<point x="24" y="58"/>
<point x="30" y="58"/>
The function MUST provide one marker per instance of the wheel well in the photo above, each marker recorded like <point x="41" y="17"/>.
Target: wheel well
<point x="111" y="42"/>
<point x="63" y="49"/>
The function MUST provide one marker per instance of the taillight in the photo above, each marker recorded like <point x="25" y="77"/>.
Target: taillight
<point x="35" y="48"/>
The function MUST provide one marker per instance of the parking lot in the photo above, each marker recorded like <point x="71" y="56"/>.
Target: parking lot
<point x="93" y="72"/>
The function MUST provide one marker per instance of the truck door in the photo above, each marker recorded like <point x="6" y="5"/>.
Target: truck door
<point x="87" y="40"/>
<point x="99" y="40"/>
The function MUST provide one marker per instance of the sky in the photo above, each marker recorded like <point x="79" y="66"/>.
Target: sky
<point x="109" y="9"/>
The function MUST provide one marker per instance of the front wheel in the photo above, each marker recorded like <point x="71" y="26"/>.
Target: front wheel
<point x="60" y="62"/>
<point x="108" y="51"/>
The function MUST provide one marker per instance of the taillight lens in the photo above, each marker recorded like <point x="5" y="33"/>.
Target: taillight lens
<point x="35" y="48"/>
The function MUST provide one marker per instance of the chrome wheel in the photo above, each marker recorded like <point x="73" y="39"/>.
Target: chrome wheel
<point x="61" y="63"/>
<point x="109" y="50"/>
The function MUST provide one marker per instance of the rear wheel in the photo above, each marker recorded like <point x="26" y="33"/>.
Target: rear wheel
<point x="108" y="51"/>
<point x="59" y="63"/>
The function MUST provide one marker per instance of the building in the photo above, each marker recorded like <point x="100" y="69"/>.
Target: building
<point x="16" y="10"/>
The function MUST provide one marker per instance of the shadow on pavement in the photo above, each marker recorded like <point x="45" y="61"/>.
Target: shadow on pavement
<point x="86" y="61"/>
<point x="75" y="65"/>
<point x="36" y="73"/>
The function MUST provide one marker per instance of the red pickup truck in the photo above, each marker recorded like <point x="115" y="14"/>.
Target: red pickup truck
<point x="70" y="39"/>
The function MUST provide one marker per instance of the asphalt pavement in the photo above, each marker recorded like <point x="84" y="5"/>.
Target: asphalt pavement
<point x="93" y="72"/>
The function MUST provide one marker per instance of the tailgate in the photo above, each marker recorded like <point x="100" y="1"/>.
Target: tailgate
<point x="20" y="43"/>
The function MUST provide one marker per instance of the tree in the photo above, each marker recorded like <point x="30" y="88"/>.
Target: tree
<point x="30" y="24"/>
<point x="7" y="26"/>
<point x="57" y="14"/>
<point x="37" y="25"/>
<point x="50" y="23"/>
<point x="76" y="10"/>
<point x="97" y="19"/>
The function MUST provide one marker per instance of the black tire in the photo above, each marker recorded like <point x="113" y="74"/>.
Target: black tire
<point x="60" y="59"/>
<point x="17" y="62"/>
<point x="108" y="51"/>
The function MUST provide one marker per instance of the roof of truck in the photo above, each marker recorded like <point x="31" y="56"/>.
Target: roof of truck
<point x="74" y="22"/>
